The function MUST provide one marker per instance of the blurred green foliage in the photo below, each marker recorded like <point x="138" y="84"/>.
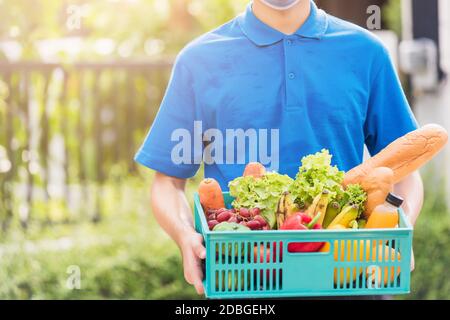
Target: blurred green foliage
<point x="136" y="27"/>
<point x="392" y="16"/>
<point x="431" y="242"/>
<point x="125" y="256"/>
<point x="118" y="259"/>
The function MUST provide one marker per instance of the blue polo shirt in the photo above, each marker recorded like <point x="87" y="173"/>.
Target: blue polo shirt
<point x="330" y="85"/>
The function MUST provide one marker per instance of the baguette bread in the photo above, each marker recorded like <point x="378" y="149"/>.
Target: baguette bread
<point x="378" y="174"/>
<point x="404" y="155"/>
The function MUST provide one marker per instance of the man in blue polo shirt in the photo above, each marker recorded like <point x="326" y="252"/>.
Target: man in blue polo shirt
<point x="301" y="79"/>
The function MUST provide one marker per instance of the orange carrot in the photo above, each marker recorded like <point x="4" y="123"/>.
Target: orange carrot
<point x="254" y="169"/>
<point x="210" y="193"/>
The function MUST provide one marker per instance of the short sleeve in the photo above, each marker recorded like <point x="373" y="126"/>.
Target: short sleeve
<point x="388" y="115"/>
<point x="169" y="145"/>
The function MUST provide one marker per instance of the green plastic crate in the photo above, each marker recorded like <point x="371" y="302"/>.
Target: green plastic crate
<point x="235" y="269"/>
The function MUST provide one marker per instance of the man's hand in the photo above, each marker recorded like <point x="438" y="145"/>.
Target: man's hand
<point x="172" y="211"/>
<point x="193" y="253"/>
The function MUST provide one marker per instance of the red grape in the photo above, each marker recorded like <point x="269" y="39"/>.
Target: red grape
<point x="254" y="225"/>
<point x="261" y="220"/>
<point x="212" y="216"/>
<point x="212" y="224"/>
<point x="223" y="216"/>
<point x="250" y="218"/>
<point x="244" y="212"/>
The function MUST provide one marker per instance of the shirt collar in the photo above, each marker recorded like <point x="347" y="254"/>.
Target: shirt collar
<point x="262" y="35"/>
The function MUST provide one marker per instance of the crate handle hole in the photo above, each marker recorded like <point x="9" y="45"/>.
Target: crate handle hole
<point x="306" y="247"/>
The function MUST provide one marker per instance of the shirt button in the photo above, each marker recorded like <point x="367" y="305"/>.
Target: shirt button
<point x="291" y="75"/>
<point x="289" y="41"/>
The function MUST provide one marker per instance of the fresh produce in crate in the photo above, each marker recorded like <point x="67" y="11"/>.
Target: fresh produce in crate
<point x="317" y="186"/>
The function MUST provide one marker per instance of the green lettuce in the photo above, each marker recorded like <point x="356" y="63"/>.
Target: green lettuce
<point x="314" y="175"/>
<point x="354" y="195"/>
<point x="263" y="193"/>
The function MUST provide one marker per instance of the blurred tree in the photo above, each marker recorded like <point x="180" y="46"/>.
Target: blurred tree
<point x="134" y="28"/>
<point x="392" y="16"/>
<point x="180" y="18"/>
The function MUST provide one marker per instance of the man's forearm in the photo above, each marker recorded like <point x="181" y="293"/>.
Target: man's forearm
<point x="170" y="206"/>
<point x="411" y="189"/>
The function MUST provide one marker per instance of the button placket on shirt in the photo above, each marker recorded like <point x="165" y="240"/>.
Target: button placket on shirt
<point x="289" y="51"/>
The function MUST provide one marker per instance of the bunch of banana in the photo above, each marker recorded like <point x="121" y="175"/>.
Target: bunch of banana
<point x="348" y="214"/>
<point x="333" y="210"/>
<point x="285" y="208"/>
<point x="319" y="204"/>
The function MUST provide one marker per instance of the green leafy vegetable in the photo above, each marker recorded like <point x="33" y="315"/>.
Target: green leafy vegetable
<point x="314" y="175"/>
<point x="262" y="193"/>
<point x="354" y="194"/>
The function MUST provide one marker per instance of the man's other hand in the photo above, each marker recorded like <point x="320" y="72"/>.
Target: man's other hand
<point x="193" y="253"/>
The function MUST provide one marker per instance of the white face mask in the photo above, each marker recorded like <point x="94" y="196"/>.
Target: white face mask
<point x="280" y="4"/>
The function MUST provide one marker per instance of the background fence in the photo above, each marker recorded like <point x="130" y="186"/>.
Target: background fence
<point x="66" y="129"/>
